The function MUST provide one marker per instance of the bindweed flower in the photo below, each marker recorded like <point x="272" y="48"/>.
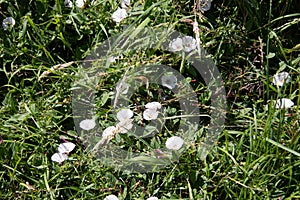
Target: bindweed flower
<point x="169" y="81"/>
<point x="150" y="114"/>
<point x="176" y="45"/>
<point x="284" y="103"/>
<point x="125" y="4"/>
<point x="281" y="78"/>
<point x="8" y="21"/>
<point x="174" y="143"/>
<point x="189" y="43"/>
<point x="87" y="124"/>
<point x="66" y="147"/>
<point x="112" y="59"/>
<point x="111" y="197"/>
<point x="204" y="5"/>
<point x="152" y="198"/>
<point x="124" y="114"/>
<point x="119" y="15"/>
<point x="80" y="3"/>
<point x="68" y="3"/>
<point x="153" y="105"/>
<point x="125" y="125"/>
<point x="109" y="133"/>
<point x="59" y="157"/>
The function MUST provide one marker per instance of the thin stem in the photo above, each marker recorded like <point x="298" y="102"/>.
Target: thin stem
<point x="268" y="44"/>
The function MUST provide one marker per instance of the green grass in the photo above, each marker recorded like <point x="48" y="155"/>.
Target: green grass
<point x="257" y="153"/>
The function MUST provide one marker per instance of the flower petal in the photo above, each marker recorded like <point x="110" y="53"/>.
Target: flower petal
<point x="119" y="15"/>
<point x="284" y="103"/>
<point x="176" y="45"/>
<point x="87" y="124"/>
<point x="66" y="147"/>
<point x="174" y="143"/>
<point x="124" y="114"/>
<point x="204" y="5"/>
<point x="111" y="197"/>
<point x="8" y="21"/>
<point x="152" y="198"/>
<point x="125" y="4"/>
<point x="59" y="157"/>
<point x="80" y="3"/>
<point x="109" y="132"/>
<point x="281" y="78"/>
<point x="150" y="114"/>
<point x="189" y="43"/>
<point x="125" y="125"/>
<point x="169" y="81"/>
<point x="153" y="105"/>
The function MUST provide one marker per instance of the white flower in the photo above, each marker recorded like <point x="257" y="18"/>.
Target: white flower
<point x="189" y="43"/>
<point x="124" y="114"/>
<point x="112" y="59"/>
<point x="8" y="21"/>
<point x="109" y="132"/>
<point x="150" y="113"/>
<point x="59" y="157"/>
<point x="281" y="78"/>
<point x="153" y="105"/>
<point x="54" y="7"/>
<point x="111" y="197"/>
<point x="66" y="147"/>
<point x="119" y="15"/>
<point x="87" y="124"/>
<point x="152" y="198"/>
<point x="68" y="3"/>
<point x="204" y="5"/>
<point x="176" y="45"/>
<point x="125" y="4"/>
<point x="125" y="125"/>
<point x="80" y="3"/>
<point x="169" y="81"/>
<point x="284" y="103"/>
<point x="174" y="143"/>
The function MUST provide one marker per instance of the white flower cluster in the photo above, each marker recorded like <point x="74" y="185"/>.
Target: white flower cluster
<point x="121" y="13"/>
<point x="186" y="43"/>
<point x="63" y="150"/>
<point x="124" y="124"/>
<point x="8" y="21"/>
<point x="125" y="120"/>
<point x="280" y="80"/>
<point x="151" y="111"/>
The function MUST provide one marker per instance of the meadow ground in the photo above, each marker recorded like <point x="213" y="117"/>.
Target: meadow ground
<point x="50" y="95"/>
